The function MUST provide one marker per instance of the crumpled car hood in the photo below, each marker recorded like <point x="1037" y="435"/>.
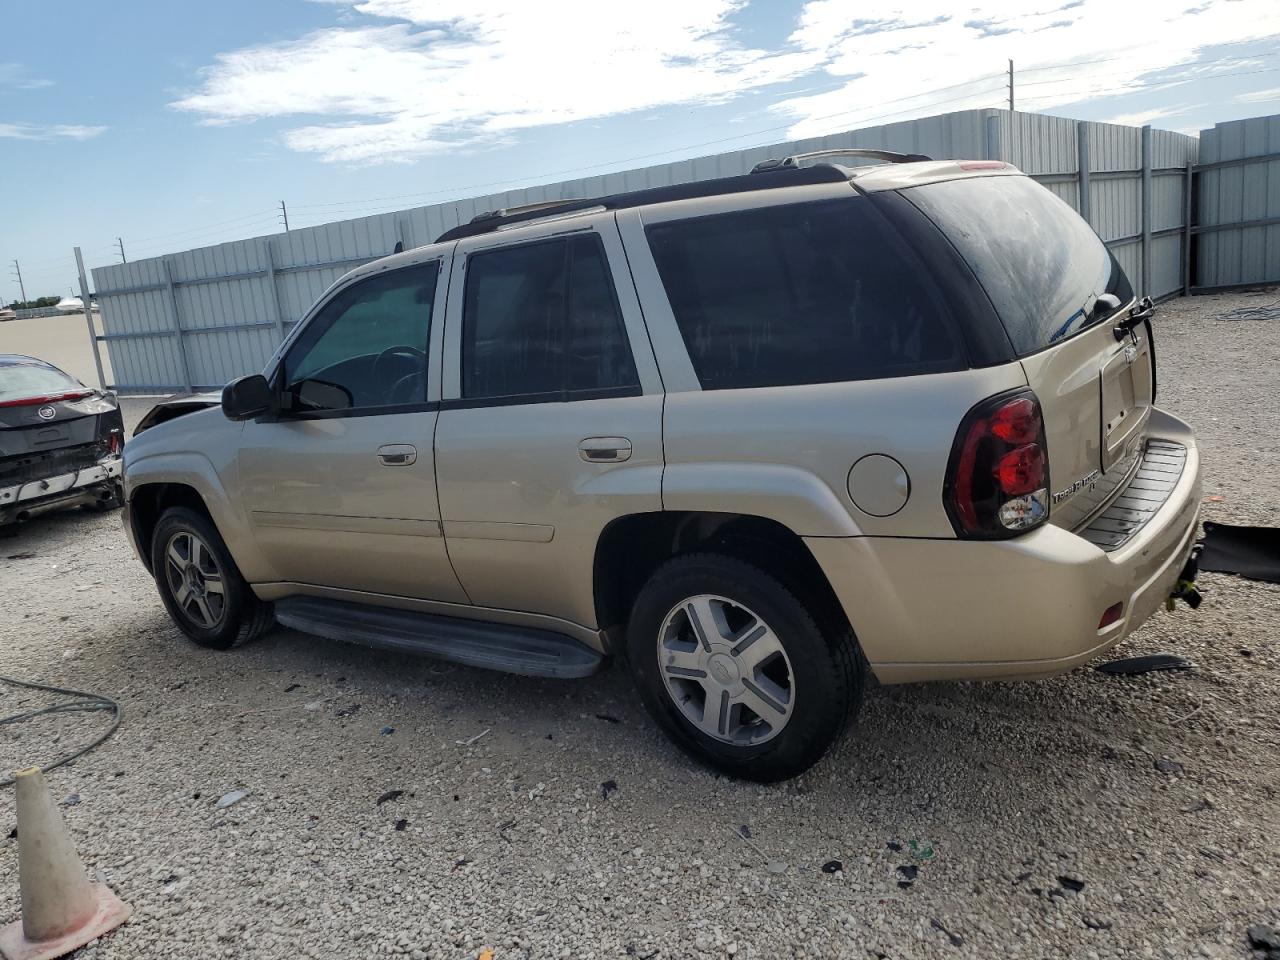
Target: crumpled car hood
<point x="180" y="404"/>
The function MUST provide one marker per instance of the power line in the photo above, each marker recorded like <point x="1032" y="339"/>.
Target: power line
<point x="1066" y="96"/>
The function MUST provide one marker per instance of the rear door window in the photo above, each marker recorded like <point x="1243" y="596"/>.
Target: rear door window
<point x="804" y="293"/>
<point x="541" y="322"/>
<point x="1040" y="263"/>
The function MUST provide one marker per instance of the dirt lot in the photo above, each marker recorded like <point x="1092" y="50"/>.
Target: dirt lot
<point x="1000" y="799"/>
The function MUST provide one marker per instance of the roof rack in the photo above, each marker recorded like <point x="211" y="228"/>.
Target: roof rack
<point x="793" y="161"/>
<point x="782" y="176"/>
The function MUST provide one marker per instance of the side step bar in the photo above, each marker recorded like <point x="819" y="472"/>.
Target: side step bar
<point x="527" y="651"/>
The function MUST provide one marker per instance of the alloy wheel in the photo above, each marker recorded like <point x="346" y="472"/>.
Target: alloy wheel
<point x="195" y="580"/>
<point x="726" y="670"/>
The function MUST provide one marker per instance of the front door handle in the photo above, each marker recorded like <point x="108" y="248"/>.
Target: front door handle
<point x="605" y="449"/>
<point x="398" y="455"/>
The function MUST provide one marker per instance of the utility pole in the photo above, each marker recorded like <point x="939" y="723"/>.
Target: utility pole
<point x="120" y="244"/>
<point x="18" y="271"/>
<point x="1011" y="86"/>
<point x="284" y="215"/>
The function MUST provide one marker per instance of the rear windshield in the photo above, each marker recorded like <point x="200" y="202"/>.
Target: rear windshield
<point x="21" y="380"/>
<point x="803" y="293"/>
<point x="1042" y="266"/>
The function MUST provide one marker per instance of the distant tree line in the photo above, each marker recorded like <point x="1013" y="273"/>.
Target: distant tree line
<point x="34" y="304"/>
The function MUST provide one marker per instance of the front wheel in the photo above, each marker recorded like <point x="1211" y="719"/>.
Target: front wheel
<point x="737" y="671"/>
<point x="200" y="585"/>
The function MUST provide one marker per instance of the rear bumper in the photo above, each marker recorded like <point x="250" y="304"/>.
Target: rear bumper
<point x="1023" y="608"/>
<point x="20" y="501"/>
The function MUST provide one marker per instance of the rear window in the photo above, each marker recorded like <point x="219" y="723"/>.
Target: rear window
<point x="1041" y="264"/>
<point x="21" y="380"/>
<point x="804" y="293"/>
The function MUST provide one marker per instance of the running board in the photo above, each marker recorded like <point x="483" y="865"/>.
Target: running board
<point x="528" y="651"/>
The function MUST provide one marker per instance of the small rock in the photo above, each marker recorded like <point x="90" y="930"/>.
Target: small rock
<point x="608" y="787"/>
<point x="894" y="845"/>
<point x="745" y="832"/>
<point x="777" y="866"/>
<point x="1096" y="923"/>
<point x="387" y="731"/>
<point x="1169" y="766"/>
<point x="1071" y="883"/>
<point x="72" y="800"/>
<point x="313" y="705"/>
<point x="292" y="687"/>
<point x="348" y="711"/>
<point x="401" y="825"/>
<point x="227" y="799"/>
<point x="1195" y="806"/>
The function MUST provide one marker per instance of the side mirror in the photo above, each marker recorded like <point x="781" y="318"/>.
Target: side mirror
<point x="1108" y="301"/>
<point x="247" y="397"/>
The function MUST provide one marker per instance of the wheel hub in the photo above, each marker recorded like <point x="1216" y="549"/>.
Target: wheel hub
<point x="195" y="579"/>
<point x="725" y="670"/>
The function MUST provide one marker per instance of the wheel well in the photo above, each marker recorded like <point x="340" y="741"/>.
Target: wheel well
<point x="148" y="504"/>
<point x="631" y="548"/>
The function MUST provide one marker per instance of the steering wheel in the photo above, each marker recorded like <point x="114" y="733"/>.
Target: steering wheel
<point x="408" y="389"/>
<point x="418" y="358"/>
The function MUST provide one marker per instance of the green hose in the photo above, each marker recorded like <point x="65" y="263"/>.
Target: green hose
<point x="88" y="702"/>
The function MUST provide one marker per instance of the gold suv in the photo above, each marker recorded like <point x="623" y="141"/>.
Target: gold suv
<point x="762" y="435"/>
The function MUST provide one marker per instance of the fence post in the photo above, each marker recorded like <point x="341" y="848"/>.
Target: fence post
<point x="273" y="295"/>
<point x="177" y="323"/>
<point x="88" y="319"/>
<point x="1082" y="161"/>
<point x="993" y="137"/>
<point x="1146" y="211"/>
<point x="1187" y="183"/>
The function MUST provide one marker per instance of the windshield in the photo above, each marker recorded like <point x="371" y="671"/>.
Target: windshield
<point x="1043" y="267"/>
<point x="25" y="378"/>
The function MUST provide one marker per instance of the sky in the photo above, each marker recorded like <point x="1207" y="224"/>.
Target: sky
<point x="176" y="125"/>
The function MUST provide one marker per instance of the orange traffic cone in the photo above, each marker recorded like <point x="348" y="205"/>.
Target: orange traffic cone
<point x="61" y="909"/>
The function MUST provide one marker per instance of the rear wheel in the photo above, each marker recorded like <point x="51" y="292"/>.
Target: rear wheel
<point x="737" y="670"/>
<point x="200" y="585"/>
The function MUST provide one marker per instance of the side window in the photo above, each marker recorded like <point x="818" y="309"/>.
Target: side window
<point x="805" y="293"/>
<point x="367" y="347"/>
<point x="541" y="322"/>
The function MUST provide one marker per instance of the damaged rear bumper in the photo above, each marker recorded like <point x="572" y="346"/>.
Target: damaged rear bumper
<point x="98" y="482"/>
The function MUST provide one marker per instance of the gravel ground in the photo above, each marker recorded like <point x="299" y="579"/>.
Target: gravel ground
<point x="551" y="819"/>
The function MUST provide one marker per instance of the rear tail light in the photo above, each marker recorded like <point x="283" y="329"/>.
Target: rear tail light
<point x="998" y="477"/>
<point x="115" y="441"/>
<point x="46" y="398"/>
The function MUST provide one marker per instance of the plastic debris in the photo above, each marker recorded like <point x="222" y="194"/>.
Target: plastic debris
<point x="608" y="787"/>
<point x="1071" y="883"/>
<point x="292" y="687"/>
<point x="955" y="938"/>
<point x="227" y="799"/>
<point x="1132" y="666"/>
<point x="832" y="866"/>
<point x="467" y="743"/>
<point x="72" y="800"/>
<point x="401" y="825"/>
<point x="387" y="731"/>
<point x="389" y="796"/>
<point x="607" y="718"/>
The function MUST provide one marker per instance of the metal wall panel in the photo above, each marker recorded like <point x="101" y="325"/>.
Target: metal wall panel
<point x="230" y="311"/>
<point x="1231" y="195"/>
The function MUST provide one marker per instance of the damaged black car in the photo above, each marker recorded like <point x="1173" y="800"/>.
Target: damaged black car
<point x="60" y="442"/>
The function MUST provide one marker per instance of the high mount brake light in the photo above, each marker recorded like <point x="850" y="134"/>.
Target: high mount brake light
<point x="998" y="476"/>
<point x="46" y="398"/>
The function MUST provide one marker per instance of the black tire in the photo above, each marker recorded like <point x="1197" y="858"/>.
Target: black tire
<point x="240" y="618"/>
<point x="827" y="668"/>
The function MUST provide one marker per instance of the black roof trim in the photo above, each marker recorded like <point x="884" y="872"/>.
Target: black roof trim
<point x="781" y="177"/>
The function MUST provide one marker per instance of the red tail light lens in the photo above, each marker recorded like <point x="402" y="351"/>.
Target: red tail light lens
<point x="998" y="477"/>
<point x="115" y="441"/>
<point x="47" y="398"/>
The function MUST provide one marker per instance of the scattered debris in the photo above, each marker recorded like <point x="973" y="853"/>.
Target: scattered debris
<point x="1264" y="938"/>
<point x="387" y="731"/>
<point x="908" y="873"/>
<point x="832" y="866"/>
<point x="607" y="718"/>
<point x="348" y="711"/>
<point x="13" y="834"/>
<point x="292" y="687"/>
<point x="1096" y="923"/>
<point x="391" y="795"/>
<point x="1169" y="766"/>
<point x="1071" y="883"/>
<point x="1213" y="854"/>
<point x="1195" y="806"/>
<point x="608" y="787"/>
<point x="400" y="825"/>
<point x="920" y="852"/>
<point x="955" y="938"/>
<point x="20" y="556"/>
<point x="1133" y="666"/>
<point x="485" y="954"/>
<point x="745" y="832"/>
<point x="72" y="800"/>
<point x="227" y="799"/>
<point x="467" y="743"/>
<point x="1185" y="717"/>
<point x="1251" y="552"/>
<point x="313" y="705"/>
<point x="460" y="864"/>
<point x="894" y="845"/>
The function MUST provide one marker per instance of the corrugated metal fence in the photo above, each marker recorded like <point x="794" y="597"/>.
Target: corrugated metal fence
<point x="202" y="317"/>
<point x="1238" y="228"/>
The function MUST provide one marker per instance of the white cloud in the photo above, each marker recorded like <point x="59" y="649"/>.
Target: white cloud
<point x="14" y="76"/>
<point x="889" y="49"/>
<point x="49" y="131"/>
<point x="1259" y="96"/>
<point x="459" y="71"/>
<point x="399" y="79"/>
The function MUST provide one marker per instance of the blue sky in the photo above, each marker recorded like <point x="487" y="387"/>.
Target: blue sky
<point x="174" y="125"/>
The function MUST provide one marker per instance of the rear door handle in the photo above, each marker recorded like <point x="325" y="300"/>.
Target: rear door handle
<point x="605" y="449"/>
<point x="398" y="455"/>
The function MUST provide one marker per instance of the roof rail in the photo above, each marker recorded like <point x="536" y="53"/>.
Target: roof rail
<point x="888" y="156"/>
<point x="782" y="176"/>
